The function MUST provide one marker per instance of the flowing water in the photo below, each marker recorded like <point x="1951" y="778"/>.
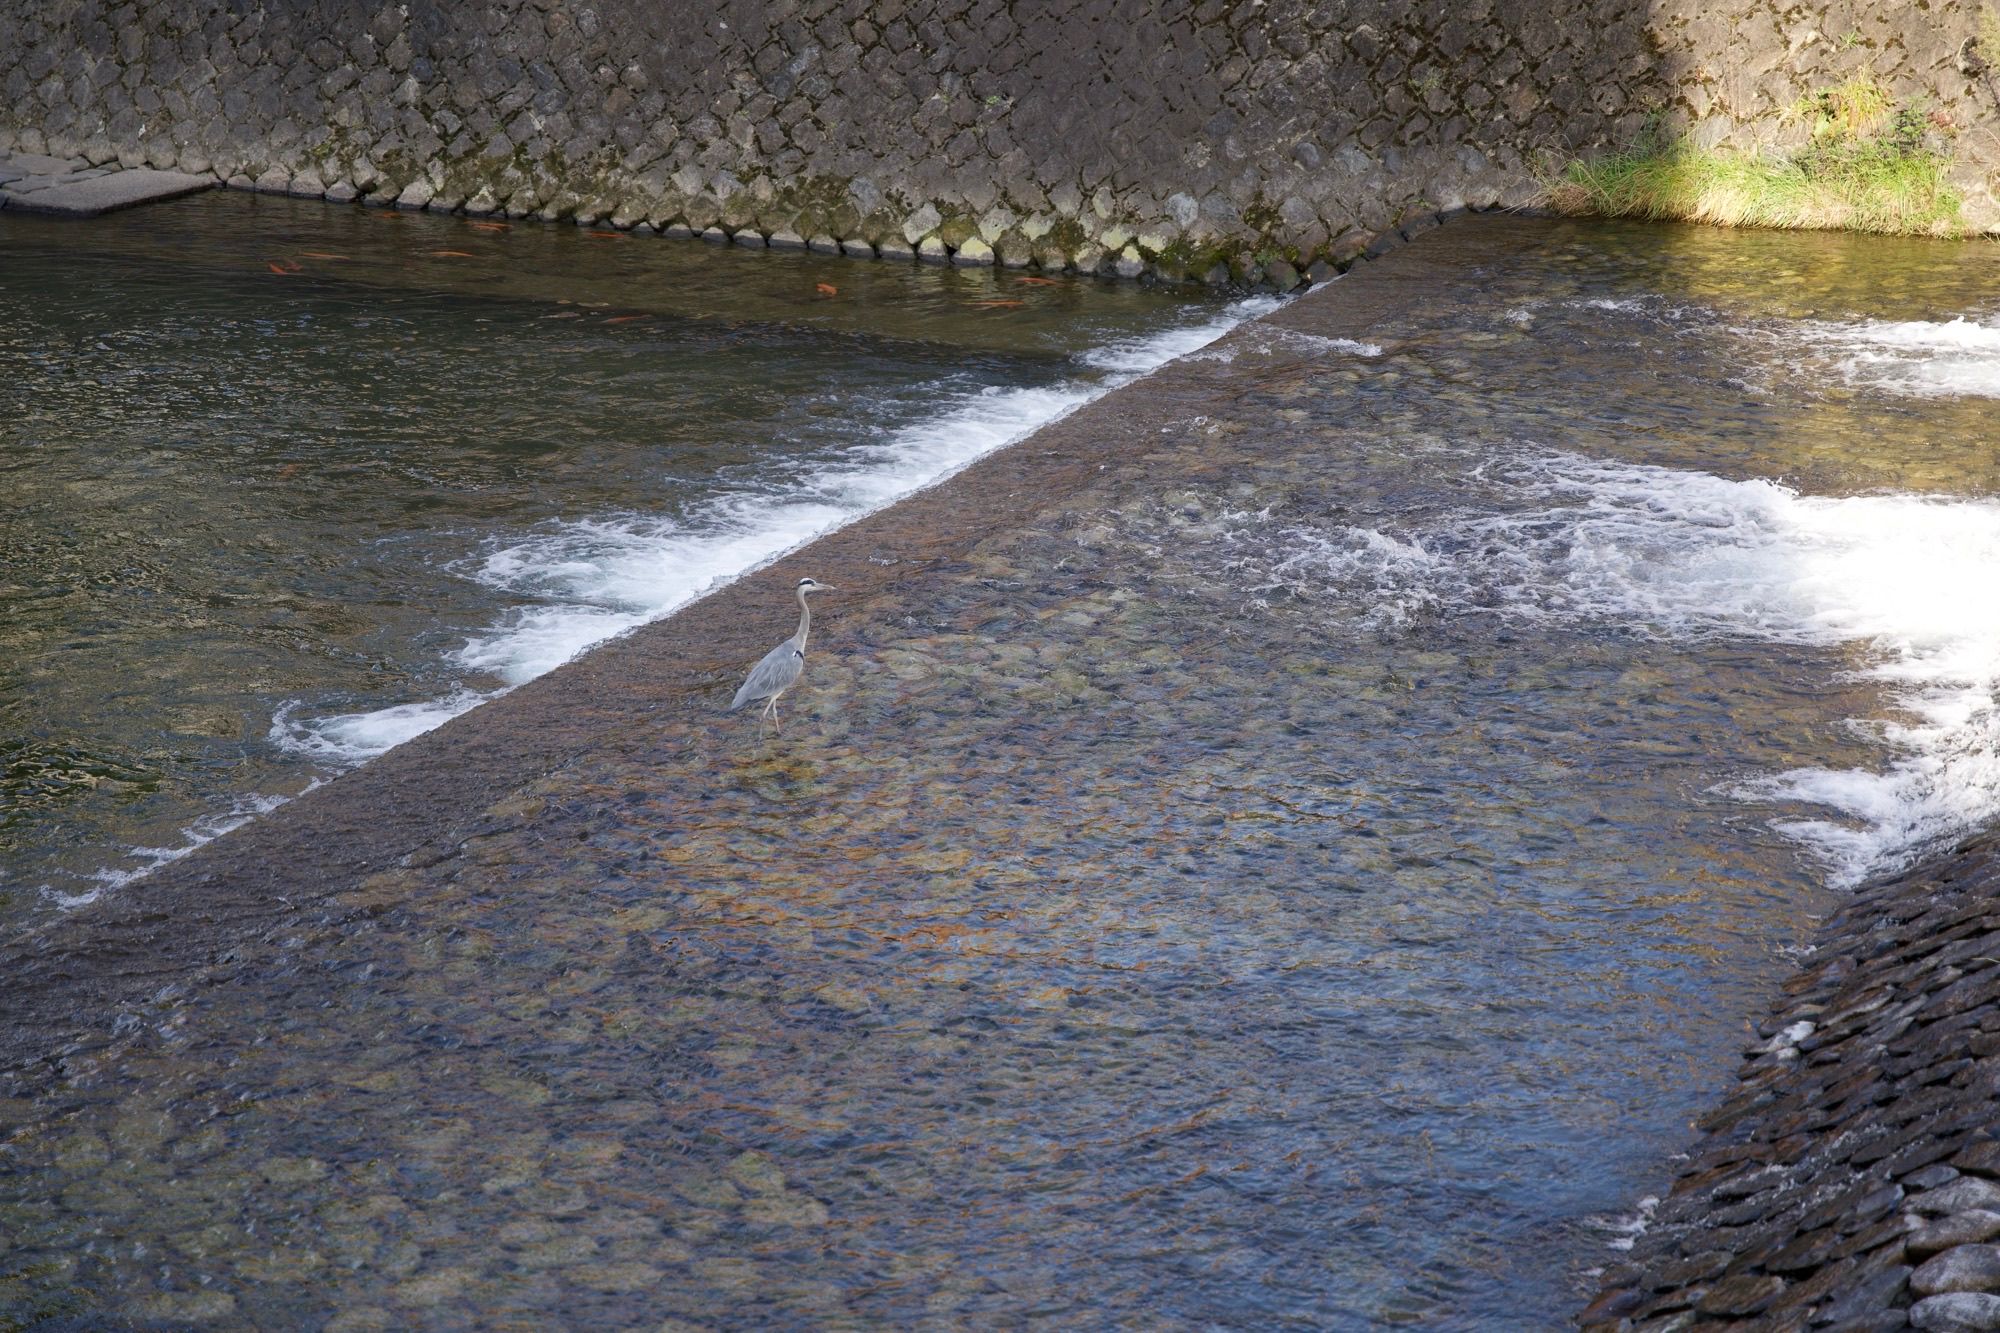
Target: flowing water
<point x="286" y="485"/>
<point x="1310" y="878"/>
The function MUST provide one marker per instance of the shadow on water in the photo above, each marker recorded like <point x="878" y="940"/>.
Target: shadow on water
<point x="1310" y="874"/>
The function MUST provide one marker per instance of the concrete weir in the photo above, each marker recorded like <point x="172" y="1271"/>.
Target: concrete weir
<point x="373" y="838"/>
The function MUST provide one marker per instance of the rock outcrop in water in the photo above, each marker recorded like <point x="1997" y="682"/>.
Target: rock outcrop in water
<point x="1853" y="1181"/>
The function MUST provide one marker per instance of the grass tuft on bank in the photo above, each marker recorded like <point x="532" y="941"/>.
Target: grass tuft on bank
<point x="1868" y="165"/>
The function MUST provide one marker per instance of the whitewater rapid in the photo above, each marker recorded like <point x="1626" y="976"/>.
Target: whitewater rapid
<point x="1958" y="357"/>
<point x="1911" y="583"/>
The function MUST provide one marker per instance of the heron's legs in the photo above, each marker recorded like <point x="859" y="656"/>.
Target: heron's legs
<point x="771" y="712"/>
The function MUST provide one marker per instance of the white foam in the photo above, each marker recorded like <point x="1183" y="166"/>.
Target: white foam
<point x="598" y="578"/>
<point x="1911" y="582"/>
<point x="1270" y="337"/>
<point x="148" y="859"/>
<point x="1627" y="1230"/>
<point x="352" y="737"/>
<point x="1924" y="358"/>
<point x="1958" y="357"/>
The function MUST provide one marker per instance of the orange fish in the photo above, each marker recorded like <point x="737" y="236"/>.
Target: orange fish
<point x="623" y="319"/>
<point x="607" y="235"/>
<point x="284" y="267"/>
<point x="1037" y="282"/>
<point x="450" y="254"/>
<point x="320" y="254"/>
<point x="489" y="226"/>
<point x="996" y="305"/>
<point x="826" y="289"/>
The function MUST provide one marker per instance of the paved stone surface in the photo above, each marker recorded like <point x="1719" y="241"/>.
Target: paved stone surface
<point x="39" y="164"/>
<point x="1855" y="1177"/>
<point x="1212" y="139"/>
<point x="87" y="192"/>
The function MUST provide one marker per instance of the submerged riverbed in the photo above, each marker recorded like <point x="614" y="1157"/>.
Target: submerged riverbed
<point x="288" y="484"/>
<point x="1309" y="872"/>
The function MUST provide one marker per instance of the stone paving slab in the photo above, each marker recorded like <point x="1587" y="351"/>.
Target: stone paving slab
<point x="40" y="164"/>
<point x="85" y="194"/>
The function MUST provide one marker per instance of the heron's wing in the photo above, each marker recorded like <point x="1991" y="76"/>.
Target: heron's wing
<point x="779" y="668"/>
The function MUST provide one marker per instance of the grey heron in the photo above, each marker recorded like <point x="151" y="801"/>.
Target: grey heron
<point x="781" y="667"/>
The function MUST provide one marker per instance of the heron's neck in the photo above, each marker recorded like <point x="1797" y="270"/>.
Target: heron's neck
<point x="805" y="620"/>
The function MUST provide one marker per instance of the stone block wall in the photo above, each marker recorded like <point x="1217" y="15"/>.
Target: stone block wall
<point x="1259" y="139"/>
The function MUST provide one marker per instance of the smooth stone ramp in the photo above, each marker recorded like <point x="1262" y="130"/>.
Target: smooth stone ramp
<point x="72" y="188"/>
<point x="1853" y="1182"/>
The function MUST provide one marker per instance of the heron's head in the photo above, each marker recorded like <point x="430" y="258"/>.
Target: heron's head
<point x="814" y="585"/>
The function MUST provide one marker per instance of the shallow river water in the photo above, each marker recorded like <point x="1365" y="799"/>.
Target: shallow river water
<point x="286" y="484"/>
<point x="1311" y="877"/>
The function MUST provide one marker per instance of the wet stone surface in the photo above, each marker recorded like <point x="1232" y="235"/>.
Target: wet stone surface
<point x="1130" y="925"/>
<point x="74" y="187"/>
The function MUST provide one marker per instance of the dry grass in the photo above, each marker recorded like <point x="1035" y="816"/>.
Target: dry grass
<point x="1868" y="164"/>
<point x="1852" y="187"/>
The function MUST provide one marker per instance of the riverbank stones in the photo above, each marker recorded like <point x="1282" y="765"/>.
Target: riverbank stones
<point x="1961" y="1268"/>
<point x="1957" y="1312"/>
<point x="1853" y="1180"/>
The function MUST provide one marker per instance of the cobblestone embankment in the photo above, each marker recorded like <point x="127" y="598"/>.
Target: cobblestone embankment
<point x="1853" y="1182"/>
<point x="1261" y="142"/>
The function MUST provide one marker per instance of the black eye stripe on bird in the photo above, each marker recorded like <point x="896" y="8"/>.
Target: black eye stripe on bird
<point x="780" y="668"/>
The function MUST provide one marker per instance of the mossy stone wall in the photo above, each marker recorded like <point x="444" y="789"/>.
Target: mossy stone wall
<point x="1259" y="139"/>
